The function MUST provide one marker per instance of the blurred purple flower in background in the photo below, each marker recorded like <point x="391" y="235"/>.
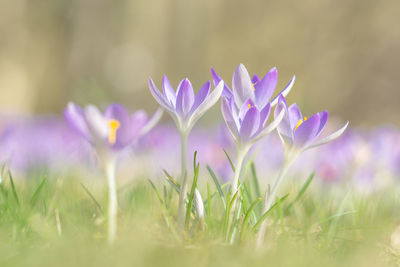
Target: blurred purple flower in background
<point x="28" y="144"/>
<point x="114" y="130"/>
<point x="109" y="133"/>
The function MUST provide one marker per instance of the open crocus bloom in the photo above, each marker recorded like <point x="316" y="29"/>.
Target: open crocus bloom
<point x="183" y="105"/>
<point x="114" y="129"/>
<point x="257" y="90"/>
<point x="300" y="132"/>
<point x="248" y="124"/>
<point x="247" y="107"/>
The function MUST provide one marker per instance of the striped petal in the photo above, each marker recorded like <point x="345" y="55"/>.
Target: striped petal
<point x="306" y="132"/>
<point x="241" y="85"/>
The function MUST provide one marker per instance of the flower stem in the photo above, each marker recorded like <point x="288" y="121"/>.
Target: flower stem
<point x="112" y="200"/>
<point x="183" y="192"/>
<point x="241" y="154"/>
<point x="270" y="196"/>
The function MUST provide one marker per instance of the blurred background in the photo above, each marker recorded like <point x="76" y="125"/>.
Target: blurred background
<point x="345" y="54"/>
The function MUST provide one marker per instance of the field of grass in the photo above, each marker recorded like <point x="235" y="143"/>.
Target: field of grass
<point x="61" y="221"/>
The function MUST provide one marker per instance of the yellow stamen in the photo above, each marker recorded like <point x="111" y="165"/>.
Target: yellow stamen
<point x="114" y="126"/>
<point x="300" y="122"/>
<point x="250" y="106"/>
<point x="254" y="88"/>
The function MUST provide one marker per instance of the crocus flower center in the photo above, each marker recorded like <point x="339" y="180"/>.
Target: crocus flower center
<point x="250" y="106"/>
<point x="300" y="122"/>
<point x="254" y="88"/>
<point x="113" y="125"/>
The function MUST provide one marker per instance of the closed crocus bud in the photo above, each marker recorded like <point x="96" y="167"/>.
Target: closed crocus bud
<point x="199" y="206"/>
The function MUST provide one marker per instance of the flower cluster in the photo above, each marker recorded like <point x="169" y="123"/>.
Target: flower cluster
<point x="246" y="110"/>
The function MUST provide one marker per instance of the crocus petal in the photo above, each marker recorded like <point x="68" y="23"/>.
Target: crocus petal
<point x="249" y="125"/>
<point x="264" y="115"/>
<point x="284" y="92"/>
<point x="255" y="79"/>
<point x="96" y="122"/>
<point x="169" y="92"/>
<point x="198" y="204"/>
<point x="329" y="138"/>
<point x="184" y="98"/>
<point x="306" y="132"/>
<point x="245" y="107"/>
<point x="323" y="119"/>
<point x="126" y="131"/>
<point x="75" y="118"/>
<point x="264" y="89"/>
<point x="208" y="102"/>
<point x="294" y="115"/>
<point x="229" y="118"/>
<point x="216" y="79"/>
<point x="159" y="97"/>
<point x="201" y="95"/>
<point x="241" y="85"/>
<point x="284" y="128"/>
<point x="272" y="126"/>
<point x="151" y="123"/>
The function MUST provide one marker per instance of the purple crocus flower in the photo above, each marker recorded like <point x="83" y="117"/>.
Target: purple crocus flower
<point x="301" y="133"/>
<point x="297" y="133"/>
<point x="109" y="132"/>
<point x="114" y="129"/>
<point x="259" y="91"/>
<point x="183" y="105"/>
<point x="246" y="110"/>
<point x="186" y="109"/>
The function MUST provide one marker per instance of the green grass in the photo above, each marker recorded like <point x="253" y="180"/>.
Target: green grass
<point x="49" y="221"/>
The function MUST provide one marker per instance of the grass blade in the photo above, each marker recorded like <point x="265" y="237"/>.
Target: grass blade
<point x="172" y="182"/>
<point x="191" y="195"/>
<point x="208" y="209"/>
<point x="3" y="166"/>
<point x="247" y="216"/>
<point x="255" y="180"/>
<point x="93" y="198"/>
<point x="265" y="215"/>
<point x="14" y="191"/>
<point x="337" y="216"/>
<point x="217" y="184"/>
<point x="250" y="210"/>
<point x="230" y="161"/>
<point x="302" y="191"/>
<point x="156" y="191"/>
<point x="36" y="194"/>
